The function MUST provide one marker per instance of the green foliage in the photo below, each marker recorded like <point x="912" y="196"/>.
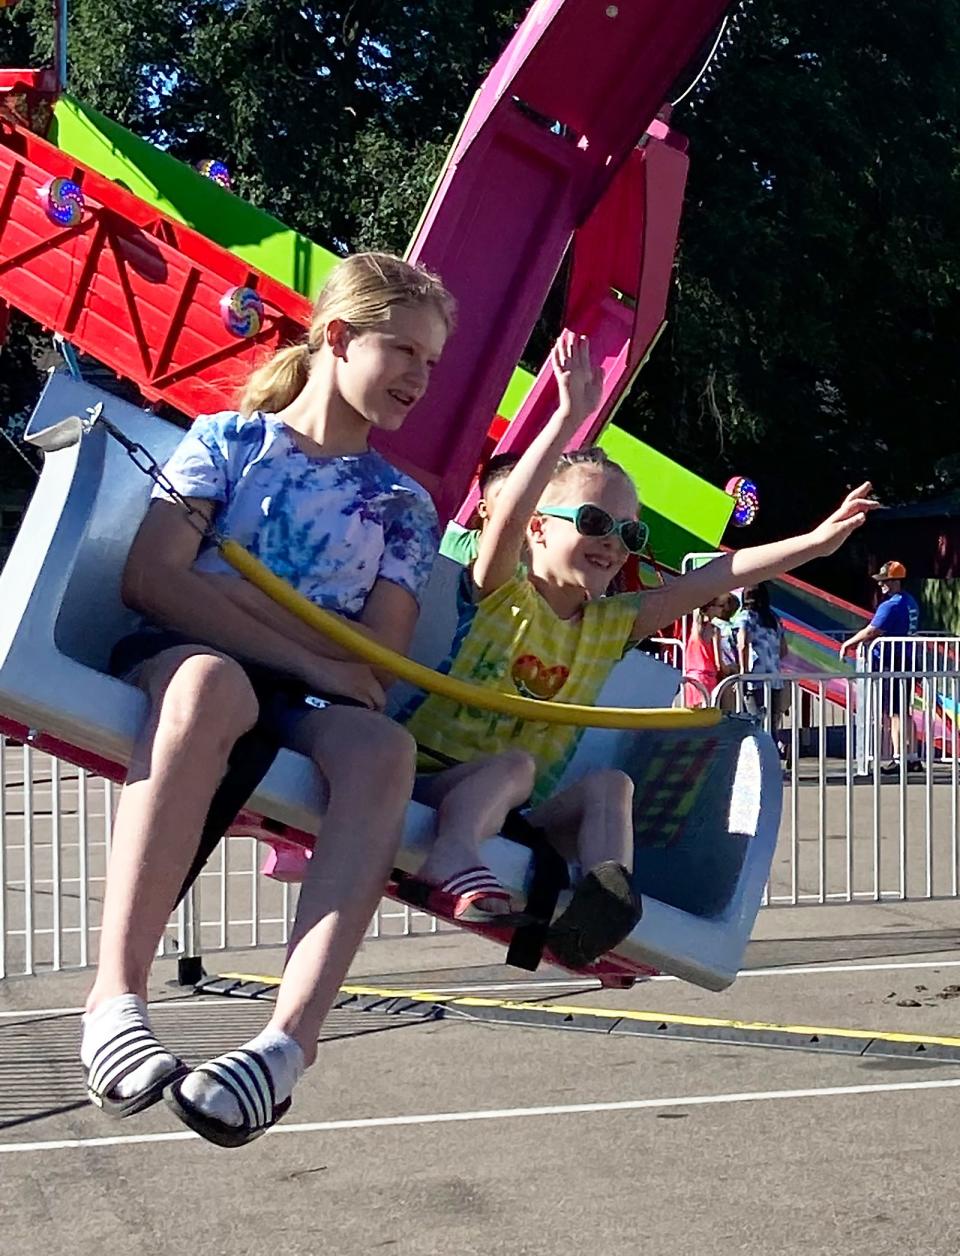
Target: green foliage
<point x="815" y="315"/>
<point x="815" y="318"/>
<point x="940" y="605"/>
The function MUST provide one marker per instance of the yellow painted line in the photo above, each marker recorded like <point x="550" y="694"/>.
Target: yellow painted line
<point x="262" y="981"/>
<point x="654" y="1018"/>
<point x="650" y="1018"/>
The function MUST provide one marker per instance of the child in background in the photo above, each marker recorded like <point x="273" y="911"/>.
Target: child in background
<point x="762" y="646"/>
<point x="462" y="544"/>
<point x="292" y="478"/>
<point x="546" y="631"/>
<point x="702" y="655"/>
<point x="725" y="622"/>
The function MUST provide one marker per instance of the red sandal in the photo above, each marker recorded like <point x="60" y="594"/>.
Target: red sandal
<point x="457" y="897"/>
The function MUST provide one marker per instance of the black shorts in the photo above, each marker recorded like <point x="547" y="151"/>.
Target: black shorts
<point x="890" y="695"/>
<point x="283" y="703"/>
<point x="282" y="699"/>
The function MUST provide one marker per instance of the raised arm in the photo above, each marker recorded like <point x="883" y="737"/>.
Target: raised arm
<point x="501" y="543"/>
<point x="753" y="565"/>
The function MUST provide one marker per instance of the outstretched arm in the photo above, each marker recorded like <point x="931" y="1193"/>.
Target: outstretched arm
<point x="501" y="542"/>
<point x="751" y="566"/>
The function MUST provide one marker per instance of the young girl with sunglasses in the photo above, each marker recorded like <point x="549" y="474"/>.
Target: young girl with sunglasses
<point x="291" y="477"/>
<point x="548" y="632"/>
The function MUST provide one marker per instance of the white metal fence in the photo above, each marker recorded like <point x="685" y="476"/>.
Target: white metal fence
<point x="850" y="836"/>
<point x="910" y="665"/>
<point x="853" y="828"/>
<point x="54" y="846"/>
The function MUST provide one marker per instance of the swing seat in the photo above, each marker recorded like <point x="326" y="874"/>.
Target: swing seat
<point x="707" y="802"/>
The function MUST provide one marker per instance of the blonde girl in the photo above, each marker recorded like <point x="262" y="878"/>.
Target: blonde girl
<point x="291" y="476"/>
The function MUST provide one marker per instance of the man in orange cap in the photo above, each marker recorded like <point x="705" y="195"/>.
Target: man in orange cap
<point x="898" y="615"/>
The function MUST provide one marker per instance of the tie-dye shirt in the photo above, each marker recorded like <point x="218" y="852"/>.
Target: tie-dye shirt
<point x="332" y="527"/>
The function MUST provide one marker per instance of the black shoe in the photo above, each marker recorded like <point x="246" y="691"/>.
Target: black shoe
<point x="890" y="769"/>
<point x="602" y="912"/>
<point x="915" y="765"/>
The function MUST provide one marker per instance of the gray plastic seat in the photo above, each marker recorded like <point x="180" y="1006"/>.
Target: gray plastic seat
<point x="707" y="802"/>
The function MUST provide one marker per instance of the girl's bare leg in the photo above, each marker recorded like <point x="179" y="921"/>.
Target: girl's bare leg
<point x="472" y="801"/>
<point x="591" y="820"/>
<point x="369" y="763"/>
<point x="201" y="703"/>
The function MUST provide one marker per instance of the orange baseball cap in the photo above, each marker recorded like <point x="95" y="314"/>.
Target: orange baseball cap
<point x="891" y="571"/>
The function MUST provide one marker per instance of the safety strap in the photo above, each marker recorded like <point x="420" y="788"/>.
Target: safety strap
<point x="250" y="759"/>
<point x="550" y="876"/>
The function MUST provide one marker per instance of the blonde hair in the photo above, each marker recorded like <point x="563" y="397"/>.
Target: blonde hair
<point x="360" y="291"/>
<point x="592" y="456"/>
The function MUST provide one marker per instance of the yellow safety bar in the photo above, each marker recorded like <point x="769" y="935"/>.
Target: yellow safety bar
<point x="372" y="652"/>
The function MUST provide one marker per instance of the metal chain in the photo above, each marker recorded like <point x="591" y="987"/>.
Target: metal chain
<point x="144" y="460"/>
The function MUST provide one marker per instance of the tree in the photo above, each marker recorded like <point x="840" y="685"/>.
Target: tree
<point x="815" y="316"/>
<point x="334" y="117"/>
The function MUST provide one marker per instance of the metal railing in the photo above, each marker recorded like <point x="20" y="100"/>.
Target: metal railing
<point x="55" y="834"/>
<point x="908" y="664"/>
<point x="847" y="834"/>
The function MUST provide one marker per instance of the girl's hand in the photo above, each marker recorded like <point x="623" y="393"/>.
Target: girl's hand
<point x="579" y="382"/>
<point x="349" y="680"/>
<point x="849" y="515"/>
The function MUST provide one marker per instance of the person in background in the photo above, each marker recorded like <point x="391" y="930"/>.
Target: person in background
<point x="462" y="544"/>
<point x="762" y="646"/>
<point x="898" y="615"/>
<point x="702" y="654"/>
<point x="725" y="622"/>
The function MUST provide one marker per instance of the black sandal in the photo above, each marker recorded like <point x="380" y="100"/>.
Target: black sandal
<point x="116" y="1059"/>
<point x="602" y="911"/>
<point x="246" y="1076"/>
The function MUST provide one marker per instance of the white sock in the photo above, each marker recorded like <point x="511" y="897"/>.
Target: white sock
<point x="280" y="1054"/>
<point x="112" y="1019"/>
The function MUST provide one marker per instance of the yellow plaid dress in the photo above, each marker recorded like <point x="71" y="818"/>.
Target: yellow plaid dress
<point x="517" y="644"/>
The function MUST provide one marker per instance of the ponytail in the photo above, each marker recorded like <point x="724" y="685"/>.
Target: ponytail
<point x="360" y="291"/>
<point x="274" y="385"/>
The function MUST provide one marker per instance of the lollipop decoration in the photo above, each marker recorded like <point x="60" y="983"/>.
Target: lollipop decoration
<point x="216" y="171"/>
<point x="63" y="202"/>
<point x="242" y="312"/>
<point x="747" y="499"/>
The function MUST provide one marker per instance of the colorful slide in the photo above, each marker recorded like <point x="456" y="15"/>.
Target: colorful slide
<point x="816" y="623"/>
<point x="684" y="512"/>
